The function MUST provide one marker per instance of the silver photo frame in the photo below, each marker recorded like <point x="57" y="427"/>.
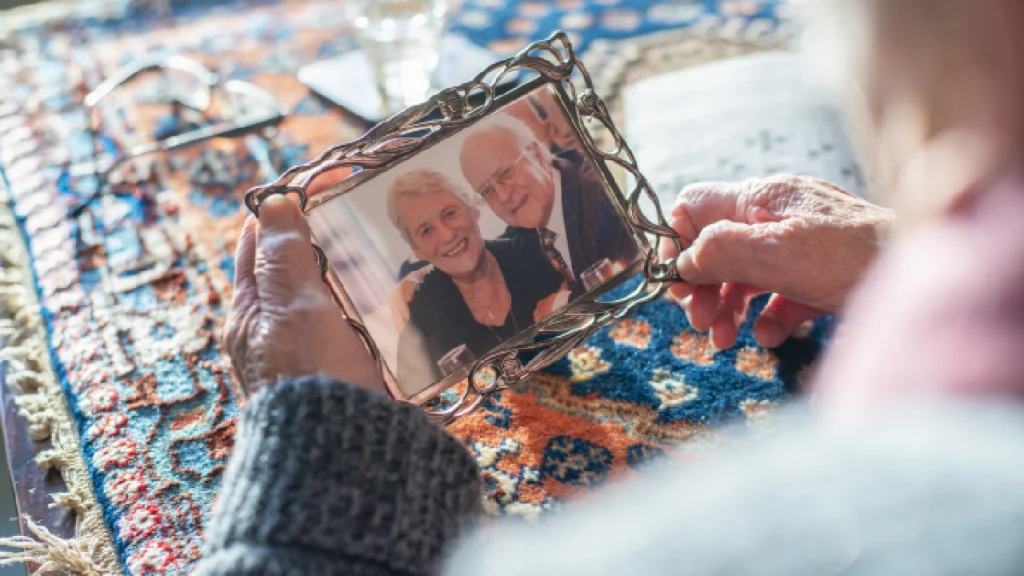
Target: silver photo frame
<point x="552" y="65"/>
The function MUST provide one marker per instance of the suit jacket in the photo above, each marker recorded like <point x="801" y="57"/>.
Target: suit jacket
<point x="593" y="227"/>
<point x="440" y="320"/>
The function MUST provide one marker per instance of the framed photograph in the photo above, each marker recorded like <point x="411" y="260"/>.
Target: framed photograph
<point x="474" y="238"/>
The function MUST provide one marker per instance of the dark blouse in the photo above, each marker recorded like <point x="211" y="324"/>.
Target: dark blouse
<point x="440" y="320"/>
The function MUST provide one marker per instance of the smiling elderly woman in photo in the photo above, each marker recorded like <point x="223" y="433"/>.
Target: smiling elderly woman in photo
<point x="477" y="293"/>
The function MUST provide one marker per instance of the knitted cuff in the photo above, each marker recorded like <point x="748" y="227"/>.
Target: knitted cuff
<point x="341" y="471"/>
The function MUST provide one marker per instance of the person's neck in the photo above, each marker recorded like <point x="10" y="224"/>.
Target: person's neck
<point x="485" y="293"/>
<point x="485" y="270"/>
<point x="947" y="173"/>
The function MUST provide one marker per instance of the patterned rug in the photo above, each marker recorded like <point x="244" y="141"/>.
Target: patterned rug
<point x="112" y="326"/>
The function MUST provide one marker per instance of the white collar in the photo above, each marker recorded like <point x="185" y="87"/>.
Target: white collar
<point x="556" y="222"/>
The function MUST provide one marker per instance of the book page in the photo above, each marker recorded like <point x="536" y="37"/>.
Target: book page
<point x="751" y="116"/>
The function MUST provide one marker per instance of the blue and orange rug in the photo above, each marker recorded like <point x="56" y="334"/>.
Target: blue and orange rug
<point x="114" y="343"/>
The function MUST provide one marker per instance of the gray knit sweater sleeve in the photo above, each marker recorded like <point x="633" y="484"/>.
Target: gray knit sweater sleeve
<point x="328" y="478"/>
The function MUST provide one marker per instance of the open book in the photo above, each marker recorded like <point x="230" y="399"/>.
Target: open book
<point x="749" y="116"/>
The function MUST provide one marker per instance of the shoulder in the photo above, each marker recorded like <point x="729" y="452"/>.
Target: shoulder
<point x="578" y="173"/>
<point x="434" y="287"/>
<point x="516" y="249"/>
<point x="504" y="243"/>
<point x="507" y="251"/>
<point x="514" y="234"/>
<point x="433" y="280"/>
<point x="949" y="298"/>
<point x="570" y="161"/>
<point x="515" y="241"/>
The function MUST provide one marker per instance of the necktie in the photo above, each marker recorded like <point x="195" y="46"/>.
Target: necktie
<point x="547" y="245"/>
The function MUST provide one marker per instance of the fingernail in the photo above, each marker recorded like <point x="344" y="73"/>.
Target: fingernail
<point x="278" y="210"/>
<point x="702" y="331"/>
<point x="684" y="264"/>
<point x="687" y="314"/>
<point x="684" y="303"/>
<point x="711" y="341"/>
<point x="769" y="332"/>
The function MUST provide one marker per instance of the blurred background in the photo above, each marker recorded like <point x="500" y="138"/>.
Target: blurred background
<point x="12" y="3"/>
<point x="8" y="511"/>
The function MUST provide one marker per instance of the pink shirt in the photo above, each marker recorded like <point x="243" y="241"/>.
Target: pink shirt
<point x="942" y="311"/>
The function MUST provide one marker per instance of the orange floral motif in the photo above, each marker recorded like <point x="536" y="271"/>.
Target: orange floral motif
<point x="756" y="409"/>
<point x="509" y="487"/>
<point x="760" y="364"/>
<point x="587" y="363"/>
<point x="100" y="399"/>
<point x="758" y="413"/>
<point x="154" y="558"/>
<point x="108" y="425"/>
<point x="126" y="487"/>
<point x="671" y="389"/>
<point x="222" y="440"/>
<point x="142" y="521"/>
<point x="119" y="453"/>
<point x="693" y="347"/>
<point x="630" y="332"/>
<point x="190" y="418"/>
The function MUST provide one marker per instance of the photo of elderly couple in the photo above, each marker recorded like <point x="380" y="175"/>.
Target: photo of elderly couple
<point x="480" y="236"/>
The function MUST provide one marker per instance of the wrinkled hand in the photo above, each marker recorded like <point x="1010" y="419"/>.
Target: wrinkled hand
<point x="283" y="322"/>
<point x="805" y="240"/>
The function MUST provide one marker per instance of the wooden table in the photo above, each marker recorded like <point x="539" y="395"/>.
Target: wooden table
<point x="33" y="486"/>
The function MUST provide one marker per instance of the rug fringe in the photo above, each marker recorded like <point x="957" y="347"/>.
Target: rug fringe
<point x="40" y="400"/>
<point x="52" y="554"/>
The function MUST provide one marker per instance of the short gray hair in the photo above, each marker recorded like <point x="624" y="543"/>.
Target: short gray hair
<point x="524" y="136"/>
<point x="420" y="183"/>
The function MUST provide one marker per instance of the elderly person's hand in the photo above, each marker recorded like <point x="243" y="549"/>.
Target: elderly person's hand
<point x="803" y="239"/>
<point x="283" y="322"/>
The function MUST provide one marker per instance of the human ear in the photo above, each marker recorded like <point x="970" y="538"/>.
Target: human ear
<point x="536" y="153"/>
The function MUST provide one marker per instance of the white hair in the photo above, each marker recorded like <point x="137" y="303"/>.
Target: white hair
<point x="524" y="136"/>
<point x="419" y="183"/>
<point x="834" y="41"/>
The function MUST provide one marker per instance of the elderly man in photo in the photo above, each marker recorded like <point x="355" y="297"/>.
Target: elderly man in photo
<point x="558" y="198"/>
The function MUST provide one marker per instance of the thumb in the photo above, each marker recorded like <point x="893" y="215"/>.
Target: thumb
<point x="723" y="252"/>
<point x="285" y="263"/>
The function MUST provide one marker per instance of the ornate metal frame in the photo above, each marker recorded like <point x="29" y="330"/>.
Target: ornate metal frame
<point x="554" y="63"/>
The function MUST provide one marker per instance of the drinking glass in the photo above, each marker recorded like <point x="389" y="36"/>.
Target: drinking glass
<point x="402" y="40"/>
<point x="456" y="358"/>
<point x="601" y="272"/>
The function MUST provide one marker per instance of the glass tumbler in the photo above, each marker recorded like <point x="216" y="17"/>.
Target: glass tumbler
<point x="402" y="40"/>
<point x="595" y="276"/>
<point x="455" y="359"/>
